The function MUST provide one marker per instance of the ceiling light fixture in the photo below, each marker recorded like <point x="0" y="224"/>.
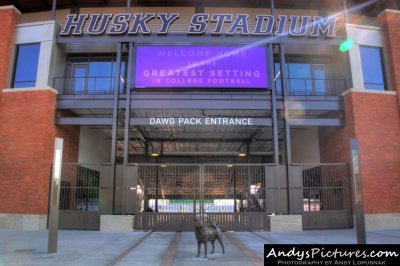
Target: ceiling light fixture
<point x="242" y="152"/>
<point x="154" y="152"/>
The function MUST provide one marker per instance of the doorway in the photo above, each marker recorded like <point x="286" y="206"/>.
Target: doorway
<point x="78" y="81"/>
<point x="319" y="76"/>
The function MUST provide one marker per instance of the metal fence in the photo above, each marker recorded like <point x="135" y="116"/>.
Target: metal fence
<point x="326" y="196"/>
<point x="234" y="221"/>
<point x="234" y="188"/>
<point x="168" y="188"/>
<point x="185" y="189"/>
<point x="79" y="189"/>
<point x="170" y="196"/>
<point x="79" y="196"/>
<point x="239" y="197"/>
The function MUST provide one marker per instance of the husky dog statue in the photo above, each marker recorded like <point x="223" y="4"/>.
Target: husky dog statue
<point x="205" y="233"/>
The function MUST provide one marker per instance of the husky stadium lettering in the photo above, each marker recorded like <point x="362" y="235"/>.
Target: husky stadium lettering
<point x="120" y="24"/>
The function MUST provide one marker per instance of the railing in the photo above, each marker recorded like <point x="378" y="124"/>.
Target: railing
<point x="239" y="221"/>
<point x="106" y="85"/>
<point x="312" y="87"/>
<point x="87" y="85"/>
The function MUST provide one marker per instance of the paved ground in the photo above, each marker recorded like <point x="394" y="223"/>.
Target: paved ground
<point x="161" y="248"/>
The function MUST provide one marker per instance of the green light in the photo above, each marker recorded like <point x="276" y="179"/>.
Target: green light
<point x="346" y="45"/>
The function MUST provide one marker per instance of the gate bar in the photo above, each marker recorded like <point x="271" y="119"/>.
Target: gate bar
<point x="201" y="196"/>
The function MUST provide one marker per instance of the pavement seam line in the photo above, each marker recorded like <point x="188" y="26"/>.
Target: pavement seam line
<point x="169" y="256"/>
<point x="246" y="251"/>
<point x="128" y="250"/>
<point x="263" y="237"/>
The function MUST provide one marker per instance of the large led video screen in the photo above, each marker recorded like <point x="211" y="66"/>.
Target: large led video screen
<point x="201" y="67"/>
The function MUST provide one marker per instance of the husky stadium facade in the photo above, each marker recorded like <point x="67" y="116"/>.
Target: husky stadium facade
<point x="261" y="115"/>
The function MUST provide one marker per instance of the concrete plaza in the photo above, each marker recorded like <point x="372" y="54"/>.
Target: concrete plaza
<point x="162" y="248"/>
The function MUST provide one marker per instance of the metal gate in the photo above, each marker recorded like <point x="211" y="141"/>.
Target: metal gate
<point x="327" y="196"/>
<point x="79" y="195"/>
<point x="237" y="196"/>
<point x="170" y="196"/>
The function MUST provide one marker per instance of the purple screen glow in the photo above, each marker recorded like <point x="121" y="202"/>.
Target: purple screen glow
<point x="201" y="67"/>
